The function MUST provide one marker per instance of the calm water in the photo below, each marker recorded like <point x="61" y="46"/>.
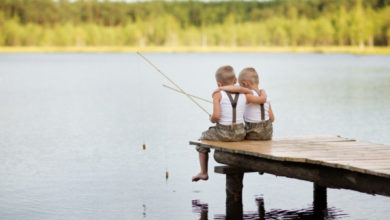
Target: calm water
<point x="72" y="128"/>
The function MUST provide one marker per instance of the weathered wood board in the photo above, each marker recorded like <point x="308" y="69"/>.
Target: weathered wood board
<point x="324" y="150"/>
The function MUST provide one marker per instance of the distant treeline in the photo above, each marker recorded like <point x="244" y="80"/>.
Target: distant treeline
<point x="195" y="23"/>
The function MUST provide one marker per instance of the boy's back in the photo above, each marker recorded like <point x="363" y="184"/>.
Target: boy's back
<point x="258" y="117"/>
<point x="227" y="114"/>
<point x="255" y="113"/>
<point x="258" y="125"/>
<point x="230" y="126"/>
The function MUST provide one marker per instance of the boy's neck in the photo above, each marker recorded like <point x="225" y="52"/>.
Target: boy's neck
<point x="232" y="84"/>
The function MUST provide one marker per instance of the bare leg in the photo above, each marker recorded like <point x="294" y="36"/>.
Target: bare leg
<point x="203" y="160"/>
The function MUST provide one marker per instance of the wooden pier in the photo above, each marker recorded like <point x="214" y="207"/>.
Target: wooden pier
<point x="327" y="161"/>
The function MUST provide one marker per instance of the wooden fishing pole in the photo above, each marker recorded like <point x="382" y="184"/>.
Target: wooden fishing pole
<point x="170" y="80"/>
<point x="193" y="96"/>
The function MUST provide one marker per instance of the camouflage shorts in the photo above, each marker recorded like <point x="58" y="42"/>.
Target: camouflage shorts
<point x="222" y="133"/>
<point x="259" y="131"/>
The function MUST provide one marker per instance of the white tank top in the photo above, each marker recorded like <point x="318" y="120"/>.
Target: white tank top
<point x="253" y="113"/>
<point x="227" y="109"/>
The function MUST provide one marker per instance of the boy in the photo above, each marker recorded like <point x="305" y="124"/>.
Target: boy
<point x="258" y="118"/>
<point x="228" y="112"/>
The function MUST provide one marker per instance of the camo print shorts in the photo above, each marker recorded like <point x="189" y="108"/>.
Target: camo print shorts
<point x="222" y="133"/>
<point x="259" y="131"/>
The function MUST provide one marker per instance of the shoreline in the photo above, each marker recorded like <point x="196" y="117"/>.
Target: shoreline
<point x="182" y="49"/>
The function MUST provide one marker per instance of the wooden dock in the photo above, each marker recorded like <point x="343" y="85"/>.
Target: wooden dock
<point x="328" y="161"/>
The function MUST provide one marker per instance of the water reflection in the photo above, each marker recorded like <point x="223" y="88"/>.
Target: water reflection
<point x="200" y="208"/>
<point x="144" y="210"/>
<point x="312" y="212"/>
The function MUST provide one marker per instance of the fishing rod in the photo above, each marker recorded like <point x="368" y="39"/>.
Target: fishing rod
<point x="193" y="96"/>
<point x="170" y="80"/>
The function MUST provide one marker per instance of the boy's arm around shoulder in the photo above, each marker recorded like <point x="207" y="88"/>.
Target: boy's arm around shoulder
<point x="261" y="99"/>
<point x="214" y="118"/>
<point x="235" y="89"/>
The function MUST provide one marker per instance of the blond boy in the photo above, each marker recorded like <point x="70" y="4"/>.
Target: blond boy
<point x="258" y="118"/>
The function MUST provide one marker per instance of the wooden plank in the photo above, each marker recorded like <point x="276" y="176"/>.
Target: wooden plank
<point x="267" y="148"/>
<point x="342" y="158"/>
<point x="314" y="138"/>
<point x="230" y="170"/>
<point x="321" y="175"/>
<point x="366" y="164"/>
<point x="325" y="147"/>
<point x="382" y="170"/>
<point x="318" y="146"/>
<point x="330" y="152"/>
<point x="348" y="167"/>
<point x="265" y="145"/>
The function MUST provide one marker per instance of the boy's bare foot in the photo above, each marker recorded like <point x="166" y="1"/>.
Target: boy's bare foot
<point x="200" y="176"/>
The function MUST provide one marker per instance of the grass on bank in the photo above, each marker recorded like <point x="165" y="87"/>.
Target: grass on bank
<point x="165" y="49"/>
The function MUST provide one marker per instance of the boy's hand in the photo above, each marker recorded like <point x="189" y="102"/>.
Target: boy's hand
<point x="212" y="119"/>
<point x="260" y="99"/>
<point x="262" y="92"/>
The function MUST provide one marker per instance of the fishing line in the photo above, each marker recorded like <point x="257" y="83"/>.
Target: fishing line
<point x="141" y="106"/>
<point x="177" y="86"/>
<point x="141" y="116"/>
<point x="193" y="96"/>
<point x="143" y="124"/>
<point x="166" y="165"/>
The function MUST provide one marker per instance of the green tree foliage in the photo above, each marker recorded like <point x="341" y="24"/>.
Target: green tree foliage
<point x="194" y="23"/>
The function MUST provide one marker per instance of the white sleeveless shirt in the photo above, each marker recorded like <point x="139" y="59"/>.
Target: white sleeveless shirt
<point x="227" y="109"/>
<point x="253" y="113"/>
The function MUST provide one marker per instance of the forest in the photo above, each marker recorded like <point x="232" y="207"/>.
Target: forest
<point x="195" y="23"/>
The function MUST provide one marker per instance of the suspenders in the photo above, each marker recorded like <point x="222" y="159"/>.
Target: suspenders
<point x="234" y="104"/>
<point x="261" y="110"/>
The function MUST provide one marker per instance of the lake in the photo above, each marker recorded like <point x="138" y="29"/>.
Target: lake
<point x="72" y="128"/>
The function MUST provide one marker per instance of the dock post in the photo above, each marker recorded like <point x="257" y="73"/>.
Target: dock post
<point x="319" y="201"/>
<point x="234" y="177"/>
<point x="260" y="207"/>
<point x="234" y="195"/>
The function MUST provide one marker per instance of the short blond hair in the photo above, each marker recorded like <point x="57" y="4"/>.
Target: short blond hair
<point x="225" y="75"/>
<point x="250" y="75"/>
